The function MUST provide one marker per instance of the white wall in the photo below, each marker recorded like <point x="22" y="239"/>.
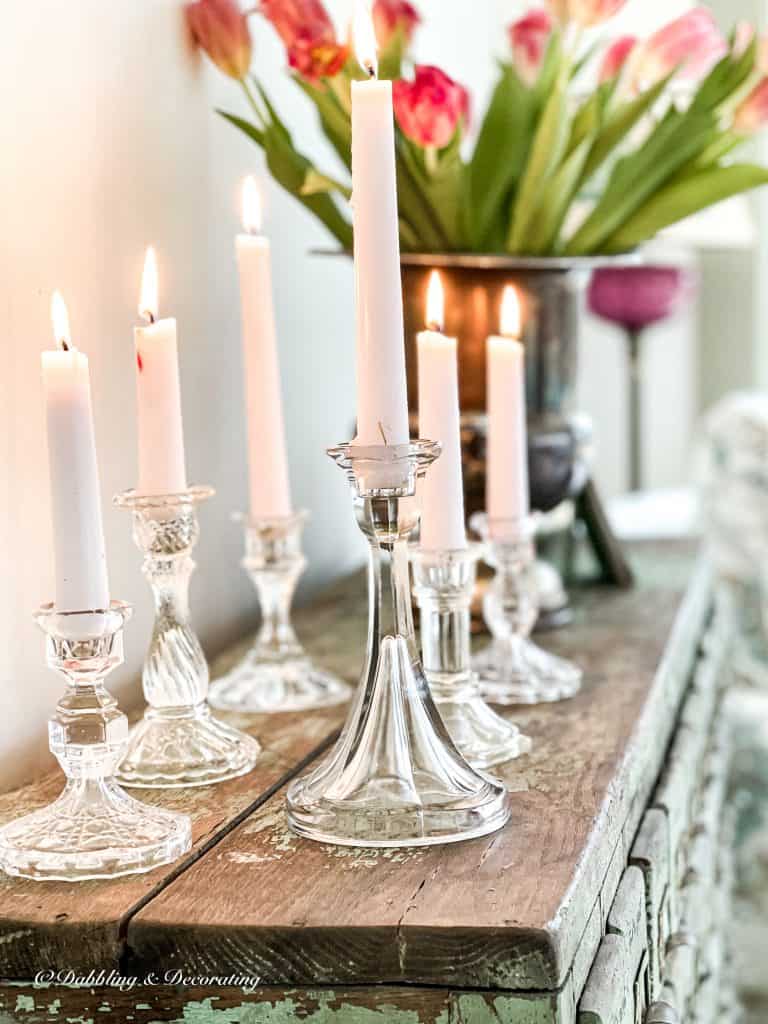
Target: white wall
<point x="109" y="141"/>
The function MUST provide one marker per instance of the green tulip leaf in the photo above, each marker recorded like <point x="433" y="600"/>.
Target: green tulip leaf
<point x="548" y="147"/>
<point x="556" y="201"/>
<point x="315" y="183"/>
<point x="683" y="199"/>
<point x="727" y="76"/>
<point x="334" y="119"/>
<point x="498" y="158"/>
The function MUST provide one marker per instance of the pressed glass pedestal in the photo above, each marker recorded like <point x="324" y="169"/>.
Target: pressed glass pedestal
<point x="276" y="674"/>
<point x="178" y="743"/>
<point x="512" y="669"/>
<point x="94" y="829"/>
<point x="394" y="777"/>
<point x="443" y="584"/>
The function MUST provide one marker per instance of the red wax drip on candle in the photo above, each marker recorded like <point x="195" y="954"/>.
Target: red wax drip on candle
<point x="139" y="363"/>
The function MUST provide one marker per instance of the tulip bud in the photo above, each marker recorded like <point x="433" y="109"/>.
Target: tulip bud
<point x="691" y="42"/>
<point x="616" y="57"/>
<point x="309" y="37"/>
<point x="593" y="12"/>
<point x="429" y="109"/>
<point x="752" y="113"/>
<point x="392" y="16"/>
<point x="221" y="29"/>
<point x="529" y="37"/>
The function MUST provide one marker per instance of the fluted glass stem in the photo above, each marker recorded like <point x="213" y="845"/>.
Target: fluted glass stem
<point x="178" y="743"/>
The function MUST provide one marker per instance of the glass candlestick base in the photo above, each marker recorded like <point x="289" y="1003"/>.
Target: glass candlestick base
<point x="394" y="777"/>
<point x="276" y="674"/>
<point x="178" y="743"/>
<point x="514" y="670"/>
<point x="94" y="829"/>
<point x="443" y="585"/>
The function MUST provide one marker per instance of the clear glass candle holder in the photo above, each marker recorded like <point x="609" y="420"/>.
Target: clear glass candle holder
<point x="178" y="742"/>
<point x="276" y="674"/>
<point x="512" y="669"/>
<point x="394" y="778"/>
<point x="94" y="829"/>
<point x="443" y="585"/>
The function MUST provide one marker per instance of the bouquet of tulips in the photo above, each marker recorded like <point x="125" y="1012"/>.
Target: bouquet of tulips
<point x="589" y="145"/>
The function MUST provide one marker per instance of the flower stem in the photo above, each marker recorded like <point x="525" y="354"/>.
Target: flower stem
<point x="252" y="102"/>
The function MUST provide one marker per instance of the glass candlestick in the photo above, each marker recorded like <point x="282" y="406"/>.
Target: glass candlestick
<point x="443" y="584"/>
<point x="394" y="777"/>
<point x="94" y="829"/>
<point x="178" y="742"/>
<point x="276" y="674"/>
<point x="514" y="670"/>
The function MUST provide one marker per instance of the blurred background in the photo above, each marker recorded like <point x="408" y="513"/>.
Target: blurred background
<point x="110" y="142"/>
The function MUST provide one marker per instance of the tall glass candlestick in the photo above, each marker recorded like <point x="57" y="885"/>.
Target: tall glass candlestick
<point x="276" y="674"/>
<point x="513" y="670"/>
<point x="178" y="743"/>
<point x="443" y="583"/>
<point x="394" y="778"/>
<point x="94" y="829"/>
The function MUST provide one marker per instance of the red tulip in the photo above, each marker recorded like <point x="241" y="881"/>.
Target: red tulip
<point x="391" y="16"/>
<point x="429" y="108"/>
<point x="616" y="57"/>
<point x="529" y="37"/>
<point x="752" y="113"/>
<point x="309" y="36"/>
<point x="221" y="29"/>
<point x="691" y="42"/>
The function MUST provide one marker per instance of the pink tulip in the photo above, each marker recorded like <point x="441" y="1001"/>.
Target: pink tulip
<point x="529" y="37"/>
<point x="691" y="42"/>
<point x="220" y="29"/>
<point x="391" y="16"/>
<point x="430" y="108"/>
<point x="309" y="37"/>
<point x="616" y="57"/>
<point x="752" y="113"/>
<point x="743" y="35"/>
<point x="593" y="12"/>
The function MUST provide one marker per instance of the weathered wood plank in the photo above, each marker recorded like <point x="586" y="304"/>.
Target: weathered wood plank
<point x="509" y="911"/>
<point x="49" y="924"/>
<point x="227" y="1004"/>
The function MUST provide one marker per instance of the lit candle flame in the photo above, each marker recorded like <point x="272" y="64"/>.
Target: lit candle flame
<point x="511" y="326"/>
<point x="148" y="301"/>
<point x="364" y="36"/>
<point x="251" y="206"/>
<point x="435" y="302"/>
<point x="60" y="319"/>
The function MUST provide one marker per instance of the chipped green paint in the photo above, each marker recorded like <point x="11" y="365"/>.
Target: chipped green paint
<point x="476" y="1009"/>
<point x="288" y="1011"/>
<point x="24" y="1004"/>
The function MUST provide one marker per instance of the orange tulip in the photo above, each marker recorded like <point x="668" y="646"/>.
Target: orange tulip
<point x="752" y="113"/>
<point x="391" y="16"/>
<point x="221" y="29"/>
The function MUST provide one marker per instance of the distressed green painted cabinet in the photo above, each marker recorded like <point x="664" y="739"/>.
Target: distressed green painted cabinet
<point x="600" y="903"/>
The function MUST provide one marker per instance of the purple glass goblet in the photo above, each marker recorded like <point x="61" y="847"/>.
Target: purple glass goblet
<point x="634" y="298"/>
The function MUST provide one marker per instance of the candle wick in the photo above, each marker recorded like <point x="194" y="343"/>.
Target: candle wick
<point x="371" y="70"/>
<point x="383" y="435"/>
<point x="433" y="325"/>
<point x="148" y="316"/>
<point x="64" y="345"/>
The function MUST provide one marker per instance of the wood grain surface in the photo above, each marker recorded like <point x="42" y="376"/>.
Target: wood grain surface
<point x="505" y="912"/>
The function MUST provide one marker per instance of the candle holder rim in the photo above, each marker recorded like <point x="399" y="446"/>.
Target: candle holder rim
<point x="423" y="451"/>
<point x="132" y="499"/>
<point x="513" y="529"/>
<point x="503" y="261"/>
<point x="272" y="524"/>
<point x="111" y="618"/>
<point x="472" y="552"/>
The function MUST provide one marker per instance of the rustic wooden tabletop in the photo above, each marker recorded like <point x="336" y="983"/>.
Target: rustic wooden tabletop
<point x="509" y="912"/>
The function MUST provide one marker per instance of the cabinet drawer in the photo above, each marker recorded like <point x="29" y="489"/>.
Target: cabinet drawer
<point x="617" y="988"/>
